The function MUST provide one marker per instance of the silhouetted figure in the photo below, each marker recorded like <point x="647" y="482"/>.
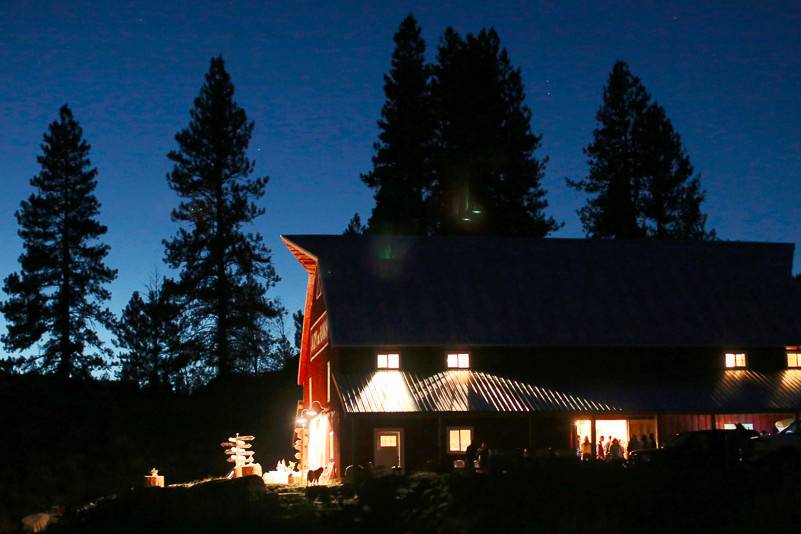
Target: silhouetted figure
<point x="471" y="453"/>
<point x="483" y="456"/>
<point x="586" y="450"/>
<point x="601" y="451"/>
<point x="634" y="444"/>
<point x="652" y="441"/>
<point x="615" y="451"/>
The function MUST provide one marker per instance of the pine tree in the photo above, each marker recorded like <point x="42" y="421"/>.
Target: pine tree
<point x="297" y="319"/>
<point x="401" y="172"/>
<point x="487" y="177"/>
<point x="225" y="271"/>
<point x="640" y="179"/>
<point x="355" y="226"/>
<point x="150" y="334"/>
<point x="672" y="196"/>
<point x="58" y="294"/>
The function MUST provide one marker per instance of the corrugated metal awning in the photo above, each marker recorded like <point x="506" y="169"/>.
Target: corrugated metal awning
<point x="453" y="391"/>
<point x="473" y="391"/>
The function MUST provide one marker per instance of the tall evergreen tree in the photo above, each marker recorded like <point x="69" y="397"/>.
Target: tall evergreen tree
<point x="58" y="294"/>
<point x="297" y="320"/>
<point x="150" y="334"/>
<point x="401" y="172"/>
<point x="488" y="179"/>
<point x="225" y="272"/>
<point x="640" y="180"/>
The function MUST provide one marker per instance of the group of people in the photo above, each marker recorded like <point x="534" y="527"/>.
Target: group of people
<point x="610" y="449"/>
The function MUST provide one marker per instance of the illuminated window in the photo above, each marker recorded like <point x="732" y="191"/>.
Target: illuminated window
<point x="388" y="440"/>
<point x="733" y="426"/>
<point x="735" y="360"/>
<point x="388" y="361"/>
<point x="459" y="439"/>
<point x="794" y="360"/>
<point x="459" y="361"/>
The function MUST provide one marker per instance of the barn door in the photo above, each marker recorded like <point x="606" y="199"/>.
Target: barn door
<point x="388" y="448"/>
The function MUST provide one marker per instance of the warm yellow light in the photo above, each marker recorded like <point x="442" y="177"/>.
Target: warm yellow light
<point x="301" y="421"/>
<point x="459" y="439"/>
<point x="319" y="430"/>
<point x="388" y="440"/>
<point x="735" y="359"/>
<point x="388" y="361"/>
<point x="793" y="360"/>
<point x="458" y="361"/>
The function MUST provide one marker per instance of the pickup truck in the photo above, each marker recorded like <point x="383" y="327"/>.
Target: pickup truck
<point x="784" y="447"/>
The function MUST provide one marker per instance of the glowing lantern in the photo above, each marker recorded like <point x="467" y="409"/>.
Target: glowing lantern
<point x="154" y="480"/>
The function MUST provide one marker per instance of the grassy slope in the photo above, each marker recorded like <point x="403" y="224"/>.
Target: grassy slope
<point x="70" y="443"/>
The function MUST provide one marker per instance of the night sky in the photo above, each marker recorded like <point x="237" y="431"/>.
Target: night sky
<point x="310" y="75"/>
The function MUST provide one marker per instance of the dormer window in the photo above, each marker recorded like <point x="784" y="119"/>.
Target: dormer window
<point x="794" y="357"/>
<point x="459" y="361"/>
<point x="735" y="360"/>
<point x="390" y="360"/>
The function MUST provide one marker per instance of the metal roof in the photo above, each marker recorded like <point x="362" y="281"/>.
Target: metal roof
<point x="474" y="391"/>
<point x="452" y="391"/>
<point x="503" y="291"/>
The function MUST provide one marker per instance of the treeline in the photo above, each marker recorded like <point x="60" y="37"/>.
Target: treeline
<point x="215" y="318"/>
<point x="456" y="154"/>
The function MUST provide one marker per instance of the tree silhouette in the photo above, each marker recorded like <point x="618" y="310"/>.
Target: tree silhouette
<point x="151" y="335"/>
<point x="57" y="296"/>
<point x="487" y="177"/>
<point x="297" y="320"/>
<point x="355" y="226"/>
<point x="640" y="182"/>
<point x="225" y="272"/>
<point x="401" y="172"/>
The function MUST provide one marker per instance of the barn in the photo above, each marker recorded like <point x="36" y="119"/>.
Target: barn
<point x="414" y="347"/>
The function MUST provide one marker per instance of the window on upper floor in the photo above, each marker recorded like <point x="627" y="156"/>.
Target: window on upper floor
<point x="459" y="360"/>
<point x="794" y="358"/>
<point x="736" y="360"/>
<point x="390" y="360"/>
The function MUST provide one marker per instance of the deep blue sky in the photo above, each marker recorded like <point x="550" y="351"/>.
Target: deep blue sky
<point x="310" y="75"/>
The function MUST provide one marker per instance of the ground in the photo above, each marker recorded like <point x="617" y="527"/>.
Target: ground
<point x="550" y="496"/>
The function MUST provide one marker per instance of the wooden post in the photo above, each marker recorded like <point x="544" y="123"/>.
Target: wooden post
<point x="530" y="435"/>
<point x="593" y="438"/>
<point x="439" y="441"/>
<point x="352" y="440"/>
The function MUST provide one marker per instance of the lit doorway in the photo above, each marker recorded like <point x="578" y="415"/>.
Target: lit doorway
<point x="609" y="429"/>
<point x="388" y="448"/>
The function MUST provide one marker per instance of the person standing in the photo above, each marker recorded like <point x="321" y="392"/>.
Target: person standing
<point x="634" y="444"/>
<point x="601" y="449"/>
<point x="586" y="450"/>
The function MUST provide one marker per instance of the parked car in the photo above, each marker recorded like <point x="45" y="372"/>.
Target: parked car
<point x="702" y="447"/>
<point x="784" y="447"/>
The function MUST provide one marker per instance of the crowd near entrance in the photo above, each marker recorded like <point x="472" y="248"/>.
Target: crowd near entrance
<point x="613" y="439"/>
